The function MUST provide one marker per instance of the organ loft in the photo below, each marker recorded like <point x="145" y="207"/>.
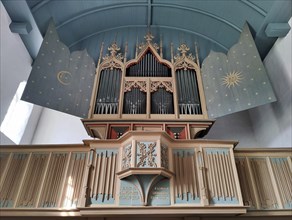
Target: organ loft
<point x="147" y="119"/>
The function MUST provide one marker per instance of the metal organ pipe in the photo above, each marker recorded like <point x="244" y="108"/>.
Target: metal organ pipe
<point x="108" y="92"/>
<point x="148" y="66"/>
<point x="188" y="96"/>
<point x="161" y="102"/>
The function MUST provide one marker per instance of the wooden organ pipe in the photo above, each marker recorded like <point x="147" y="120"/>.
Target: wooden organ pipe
<point x="103" y="178"/>
<point x="186" y="180"/>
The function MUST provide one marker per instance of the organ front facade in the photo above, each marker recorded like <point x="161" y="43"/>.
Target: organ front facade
<point x="147" y="118"/>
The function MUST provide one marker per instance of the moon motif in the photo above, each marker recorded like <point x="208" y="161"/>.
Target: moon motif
<point x="64" y="77"/>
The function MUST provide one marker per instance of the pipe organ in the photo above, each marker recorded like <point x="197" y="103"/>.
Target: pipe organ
<point x="148" y="85"/>
<point x="147" y="116"/>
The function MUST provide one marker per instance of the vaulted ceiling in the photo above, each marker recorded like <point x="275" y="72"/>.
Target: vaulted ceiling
<point x="213" y="24"/>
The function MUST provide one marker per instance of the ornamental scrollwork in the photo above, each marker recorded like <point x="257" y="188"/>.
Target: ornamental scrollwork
<point x="164" y="156"/>
<point x="126" y="160"/>
<point x="146" y="155"/>
<point x="184" y="65"/>
<point x="182" y="60"/>
<point x="135" y="84"/>
<point x="148" y="37"/>
<point x="112" y="61"/>
<point x="161" y="84"/>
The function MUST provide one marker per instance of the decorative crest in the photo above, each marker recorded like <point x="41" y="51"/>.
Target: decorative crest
<point x="183" y="48"/>
<point x="114" y="49"/>
<point x="110" y="61"/>
<point x="161" y="84"/>
<point x="184" y="60"/>
<point x="148" y="37"/>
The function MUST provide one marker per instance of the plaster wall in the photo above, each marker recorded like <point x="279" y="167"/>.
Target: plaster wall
<point x="15" y="66"/>
<point x="236" y="127"/>
<point x="272" y="123"/>
<point x="59" y="128"/>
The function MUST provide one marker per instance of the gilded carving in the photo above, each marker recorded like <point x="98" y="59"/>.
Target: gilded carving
<point x="113" y="60"/>
<point x="148" y="37"/>
<point x="146" y="155"/>
<point x="164" y="157"/>
<point x="161" y="84"/>
<point x="126" y="160"/>
<point x="151" y="155"/>
<point x="183" y="60"/>
<point x="135" y="84"/>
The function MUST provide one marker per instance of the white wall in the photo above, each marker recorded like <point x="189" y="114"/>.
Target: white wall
<point x="59" y="128"/>
<point x="272" y="123"/>
<point x="236" y="127"/>
<point x="15" y="66"/>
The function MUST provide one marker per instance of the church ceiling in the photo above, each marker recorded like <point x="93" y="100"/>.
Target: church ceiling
<point x="214" y="25"/>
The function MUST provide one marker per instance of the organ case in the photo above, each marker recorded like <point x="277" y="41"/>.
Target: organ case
<point x="148" y="86"/>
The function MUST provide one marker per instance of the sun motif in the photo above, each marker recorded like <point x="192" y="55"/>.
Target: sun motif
<point x="232" y="79"/>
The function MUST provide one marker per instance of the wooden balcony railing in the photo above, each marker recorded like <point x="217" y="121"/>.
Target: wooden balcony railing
<point x="144" y="170"/>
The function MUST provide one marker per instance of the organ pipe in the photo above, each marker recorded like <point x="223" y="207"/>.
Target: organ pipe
<point x="135" y="102"/>
<point x="108" y="93"/>
<point x="188" y="95"/>
<point x="161" y="102"/>
<point x="149" y="66"/>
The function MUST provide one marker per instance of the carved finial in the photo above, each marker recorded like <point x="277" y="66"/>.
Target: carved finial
<point x="161" y="51"/>
<point x="183" y="48"/>
<point x="149" y="37"/>
<point x="114" y="49"/>
<point x="100" y="53"/>
<point x="171" y="51"/>
<point x="137" y="47"/>
<point x="197" y="54"/>
<point x="126" y="51"/>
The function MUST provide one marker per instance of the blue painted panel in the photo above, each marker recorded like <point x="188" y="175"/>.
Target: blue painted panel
<point x="216" y="151"/>
<point x="106" y="152"/>
<point x="129" y="194"/>
<point x="288" y="205"/>
<point x="102" y="199"/>
<point x="6" y="204"/>
<point x="187" y="199"/>
<point x="160" y="194"/>
<point x="279" y="160"/>
<point x="224" y="201"/>
<point x="183" y="152"/>
<point x="60" y="80"/>
<point x="236" y="81"/>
